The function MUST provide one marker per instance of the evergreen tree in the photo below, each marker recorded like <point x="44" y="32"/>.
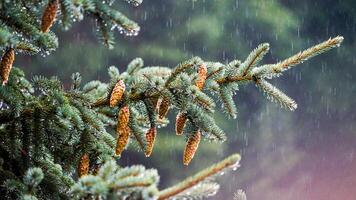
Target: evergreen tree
<point x="62" y="143"/>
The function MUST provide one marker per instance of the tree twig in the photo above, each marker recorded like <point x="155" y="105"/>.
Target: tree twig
<point x="231" y="161"/>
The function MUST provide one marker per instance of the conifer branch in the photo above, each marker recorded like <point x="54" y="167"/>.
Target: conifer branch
<point x="275" y="94"/>
<point x="48" y="132"/>
<point x="309" y="53"/>
<point x="177" y="87"/>
<point x="38" y="37"/>
<point x="183" y="66"/>
<point x="115" y="182"/>
<point x="231" y="162"/>
<point x="254" y="58"/>
<point x="271" y="70"/>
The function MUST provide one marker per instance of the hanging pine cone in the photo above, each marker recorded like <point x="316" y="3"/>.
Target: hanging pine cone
<point x="6" y="64"/>
<point x="117" y="93"/>
<point x="123" y="117"/>
<point x="122" y="140"/>
<point x="163" y="107"/>
<point x="49" y="15"/>
<point x="191" y="147"/>
<point x="180" y="122"/>
<point x="122" y="130"/>
<point x="150" y="139"/>
<point x="83" y="167"/>
<point x="202" y="74"/>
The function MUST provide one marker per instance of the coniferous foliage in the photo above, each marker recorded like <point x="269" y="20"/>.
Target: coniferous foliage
<point x="61" y="143"/>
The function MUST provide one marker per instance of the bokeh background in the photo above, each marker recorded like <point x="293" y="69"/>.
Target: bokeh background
<point x="306" y="154"/>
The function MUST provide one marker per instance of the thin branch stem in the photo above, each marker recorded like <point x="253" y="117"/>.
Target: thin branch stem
<point x="230" y="79"/>
<point x="214" y="72"/>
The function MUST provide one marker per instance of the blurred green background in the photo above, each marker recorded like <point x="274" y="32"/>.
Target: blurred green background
<point x="306" y="154"/>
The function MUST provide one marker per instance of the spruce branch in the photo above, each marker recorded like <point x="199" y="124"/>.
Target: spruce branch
<point x="115" y="182"/>
<point x="231" y="162"/>
<point x="203" y="190"/>
<point x="66" y="8"/>
<point x="183" y="66"/>
<point x="275" y="94"/>
<point x="27" y="188"/>
<point x="178" y="88"/>
<point x="118" y="20"/>
<point x="271" y="70"/>
<point x="104" y="34"/>
<point x="22" y="19"/>
<point x="254" y="58"/>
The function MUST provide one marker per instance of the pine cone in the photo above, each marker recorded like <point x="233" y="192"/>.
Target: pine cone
<point x="49" y="15"/>
<point x="83" y="167"/>
<point x="122" y="140"/>
<point x="123" y="117"/>
<point x="122" y="130"/>
<point x="117" y="93"/>
<point x="163" y="107"/>
<point x="202" y="74"/>
<point x="180" y="123"/>
<point x="150" y="139"/>
<point x="191" y="147"/>
<point x="6" y="64"/>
